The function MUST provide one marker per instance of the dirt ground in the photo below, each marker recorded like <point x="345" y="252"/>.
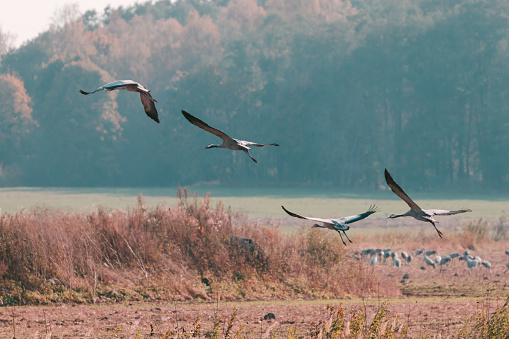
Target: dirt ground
<point x="432" y="302"/>
<point x="435" y="317"/>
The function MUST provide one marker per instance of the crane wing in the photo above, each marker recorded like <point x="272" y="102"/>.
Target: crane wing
<point x="96" y="90"/>
<point x="254" y="144"/>
<point x="400" y="193"/>
<point x="197" y="122"/>
<point x="120" y="84"/>
<point x="348" y="220"/>
<point x="327" y="221"/>
<point x="445" y="212"/>
<point x="149" y="106"/>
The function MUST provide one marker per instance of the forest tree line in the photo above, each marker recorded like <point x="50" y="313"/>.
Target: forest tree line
<point x="346" y="87"/>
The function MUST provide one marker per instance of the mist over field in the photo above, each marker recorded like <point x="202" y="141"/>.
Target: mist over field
<point x="347" y="88"/>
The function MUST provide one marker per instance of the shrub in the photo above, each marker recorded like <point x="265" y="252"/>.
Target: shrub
<point x="184" y="252"/>
<point x="500" y="229"/>
<point x="479" y="228"/>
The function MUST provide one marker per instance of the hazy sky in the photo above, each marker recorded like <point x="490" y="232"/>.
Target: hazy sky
<point x="27" y="18"/>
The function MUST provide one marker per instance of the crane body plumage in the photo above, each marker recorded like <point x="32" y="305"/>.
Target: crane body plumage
<point x="444" y="261"/>
<point x="471" y="263"/>
<point x="438" y="258"/>
<point x="487" y="264"/>
<point x="228" y="143"/>
<point x="428" y="260"/>
<point x="454" y="255"/>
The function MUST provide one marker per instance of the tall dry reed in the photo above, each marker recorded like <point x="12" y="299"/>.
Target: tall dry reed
<point x="190" y="251"/>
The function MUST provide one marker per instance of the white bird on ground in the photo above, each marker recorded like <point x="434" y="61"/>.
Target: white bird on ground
<point x="428" y="260"/>
<point x="339" y="224"/>
<point x="444" y="261"/>
<point x="404" y="255"/>
<point x="132" y="86"/>
<point x="387" y="254"/>
<point x="397" y="262"/>
<point x="438" y="258"/>
<point x="453" y="255"/>
<point x="471" y="264"/>
<point x="394" y="256"/>
<point x="487" y="264"/>
<point x="415" y="211"/>
<point x="373" y="260"/>
<point x="229" y="143"/>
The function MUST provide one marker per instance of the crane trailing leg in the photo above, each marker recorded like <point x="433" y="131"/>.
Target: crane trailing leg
<point x="344" y="243"/>
<point x="347" y="237"/>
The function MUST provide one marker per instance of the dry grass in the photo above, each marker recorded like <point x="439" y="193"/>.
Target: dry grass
<point x="477" y="234"/>
<point x="170" y="256"/>
<point x="185" y="252"/>
<point x="399" y="319"/>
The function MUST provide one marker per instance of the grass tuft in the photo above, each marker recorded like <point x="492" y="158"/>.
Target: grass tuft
<point x="188" y="252"/>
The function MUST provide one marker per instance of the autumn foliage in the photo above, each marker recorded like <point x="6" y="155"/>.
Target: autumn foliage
<point x="347" y="89"/>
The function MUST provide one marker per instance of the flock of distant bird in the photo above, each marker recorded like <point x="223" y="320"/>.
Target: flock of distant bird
<point x="338" y="224"/>
<point x="376" y="256"/>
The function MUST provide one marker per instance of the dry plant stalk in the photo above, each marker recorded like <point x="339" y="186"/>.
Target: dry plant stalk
<point x="192" y="251"/>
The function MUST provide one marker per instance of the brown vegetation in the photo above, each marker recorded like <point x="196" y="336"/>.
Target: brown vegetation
<point x="185" y="252"/>
<point x="406" y="319"/>
<point x="175" y="257"/>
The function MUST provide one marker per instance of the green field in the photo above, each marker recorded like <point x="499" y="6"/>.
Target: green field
<point x="253" y="202"/>
<point x="264" y="204"/>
